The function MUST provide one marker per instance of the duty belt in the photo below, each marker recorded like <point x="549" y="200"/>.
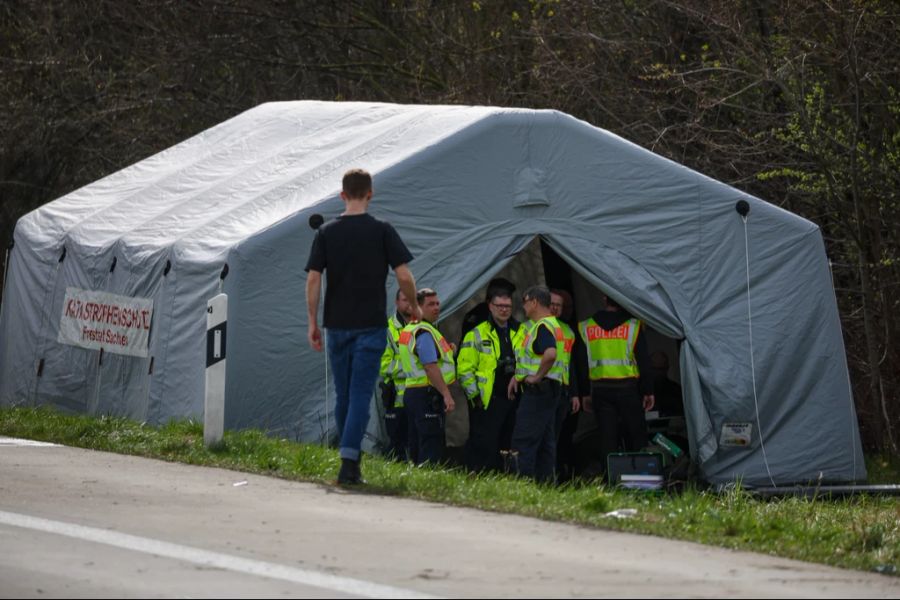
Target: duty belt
<point x="545" y="385"/>
<point x="615" y="383"/>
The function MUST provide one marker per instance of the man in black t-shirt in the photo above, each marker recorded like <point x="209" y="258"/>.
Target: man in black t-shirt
<point x="355" y="250"/>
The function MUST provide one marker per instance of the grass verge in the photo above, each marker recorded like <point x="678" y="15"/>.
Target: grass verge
<point x="859" y="533"/>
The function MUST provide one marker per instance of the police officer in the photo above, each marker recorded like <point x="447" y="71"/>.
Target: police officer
<point x="616" y="358"/>
<point x="428" y="369"/>
<point x="539" y="376"/>
<point x="485" y="365"/>
<point x="392" y="385"/>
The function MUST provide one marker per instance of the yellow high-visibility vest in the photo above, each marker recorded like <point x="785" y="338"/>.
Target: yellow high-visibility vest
<point x="611" y="352"/>
<point x="413" y="369"/>
<point x="529" y="363"/>
<point x="479" y="354"/>
<point x="569" y="339"/>
<point x="391" y="371"/>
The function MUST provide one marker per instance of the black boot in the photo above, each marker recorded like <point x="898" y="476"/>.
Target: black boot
<point x="357" y="469"/>
<point x="349" y="473"/>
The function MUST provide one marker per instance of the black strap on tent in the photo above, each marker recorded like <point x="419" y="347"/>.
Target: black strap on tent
<point x="222" y="277"/>
<point x="112" y="267"/>
<point x="168" y="268"/>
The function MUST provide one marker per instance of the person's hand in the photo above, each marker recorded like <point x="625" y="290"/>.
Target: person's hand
<point x="576" y="404"/>
<point x="449" y="404"/>
<point x="533" y="379"/>
<point x="512" y="388"/>
<point x="587" y="404"/>
<point x="649" y="402"/>
<point x="453" y="347"/>
<point x="314" y="335"/>
<point x="415" y="312"/>
<point x="388" y="394"/>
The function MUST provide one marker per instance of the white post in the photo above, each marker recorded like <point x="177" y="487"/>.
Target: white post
<point x="214" y="405"/>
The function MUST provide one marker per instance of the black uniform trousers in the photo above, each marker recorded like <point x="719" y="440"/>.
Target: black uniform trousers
<point x="425" y="418"/>
<point x="534" y="436"/>
<point x="485" y="431"/>
<point x="620" y="414"/>
<point x="397" y="431"/>
<point x="566" y="423"/>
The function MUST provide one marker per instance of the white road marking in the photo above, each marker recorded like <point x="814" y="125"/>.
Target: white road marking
<point x="212" y="559"/>
<point x="8" y="441"/>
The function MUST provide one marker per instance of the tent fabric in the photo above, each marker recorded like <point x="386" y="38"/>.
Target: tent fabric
<point x="467" y="188"/>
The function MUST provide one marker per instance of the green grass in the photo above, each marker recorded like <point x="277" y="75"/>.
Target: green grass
<point x="858" y="533"/>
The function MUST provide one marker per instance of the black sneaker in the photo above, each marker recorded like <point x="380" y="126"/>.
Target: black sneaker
<point x="349" y="473"/>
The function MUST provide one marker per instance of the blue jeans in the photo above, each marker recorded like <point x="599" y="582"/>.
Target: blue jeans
<point x="355" y="357"/>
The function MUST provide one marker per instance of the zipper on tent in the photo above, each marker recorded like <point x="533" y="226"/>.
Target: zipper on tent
<point x="39" y="349"/>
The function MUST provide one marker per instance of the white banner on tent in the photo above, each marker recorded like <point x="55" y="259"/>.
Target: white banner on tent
<point x="117" y="324"/>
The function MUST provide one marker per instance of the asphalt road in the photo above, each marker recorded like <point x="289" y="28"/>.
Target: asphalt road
<point x="78" y="523"/>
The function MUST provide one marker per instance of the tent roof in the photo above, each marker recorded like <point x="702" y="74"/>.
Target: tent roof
<point x="227" y="183"/>
<point x="224" y="185"/>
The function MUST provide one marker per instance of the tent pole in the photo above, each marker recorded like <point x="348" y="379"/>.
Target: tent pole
<point x="5" y="275"/>
<point x="327" y="422"/>
<point x="762" y="443"/>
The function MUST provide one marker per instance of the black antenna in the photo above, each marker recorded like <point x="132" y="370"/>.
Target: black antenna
<point x="743" y="208"/>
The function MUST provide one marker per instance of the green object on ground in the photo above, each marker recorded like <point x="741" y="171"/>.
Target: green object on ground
<point x="664" y="442"/>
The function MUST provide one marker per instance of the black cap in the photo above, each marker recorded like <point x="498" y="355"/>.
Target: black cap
<point x="500" y="283"/>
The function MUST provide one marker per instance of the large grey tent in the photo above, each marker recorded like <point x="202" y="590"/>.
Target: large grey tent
<point x="762" y="360"/>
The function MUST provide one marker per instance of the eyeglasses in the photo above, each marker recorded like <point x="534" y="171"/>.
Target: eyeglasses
<point x="501" y="306"/>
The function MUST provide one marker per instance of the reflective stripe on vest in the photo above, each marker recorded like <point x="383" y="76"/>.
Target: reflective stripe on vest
<point x="611" y="351"/>
<point x="391" y="370"/>
<point x="529" y="363"/>
<point x="413" y="370"/>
